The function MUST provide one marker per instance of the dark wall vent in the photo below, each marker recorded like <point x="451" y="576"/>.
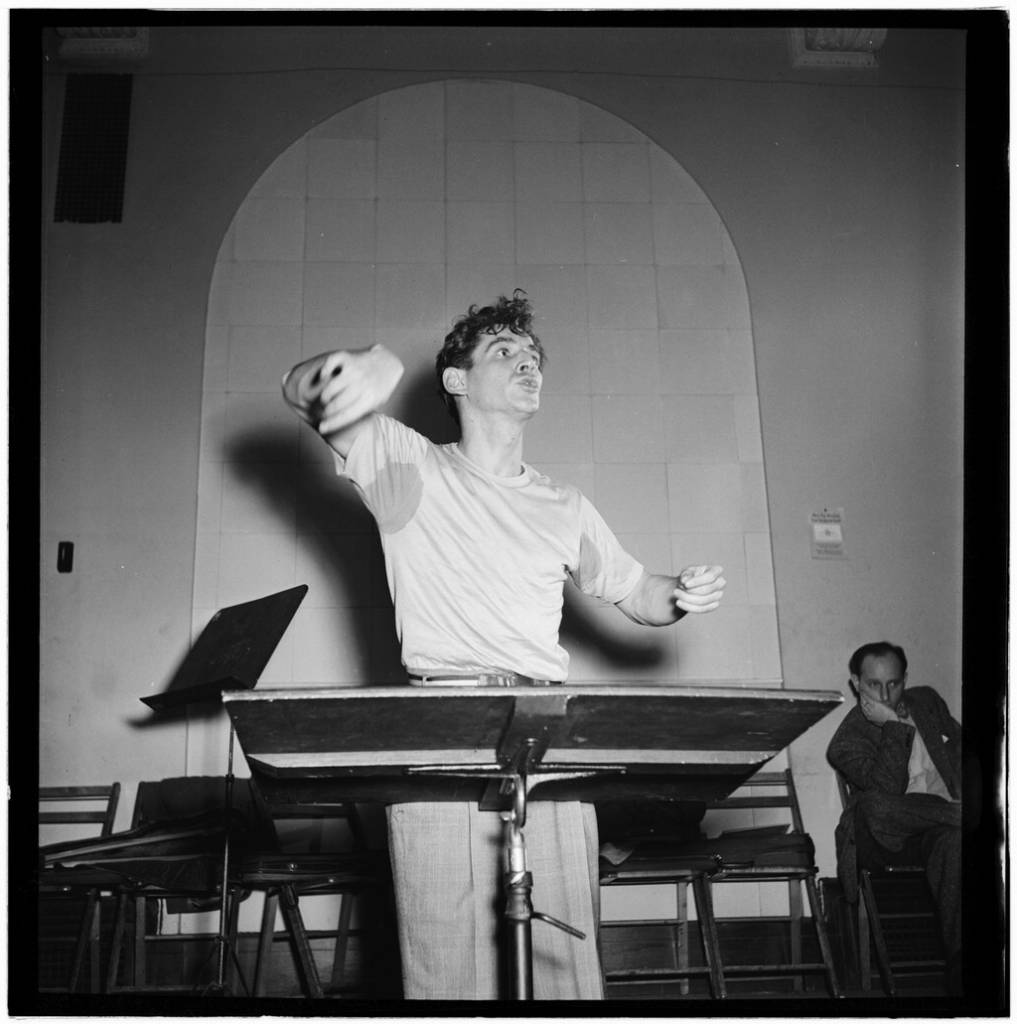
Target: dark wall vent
<point x="93" y="149"/>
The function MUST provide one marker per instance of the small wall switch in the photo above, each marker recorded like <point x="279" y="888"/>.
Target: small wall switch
<point x="65" y="556"/>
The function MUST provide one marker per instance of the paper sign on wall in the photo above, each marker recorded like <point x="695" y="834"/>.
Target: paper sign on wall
<point x="828" y="533"/>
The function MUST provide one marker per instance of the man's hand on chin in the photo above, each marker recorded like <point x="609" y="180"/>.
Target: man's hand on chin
<point x="877" y="713"/>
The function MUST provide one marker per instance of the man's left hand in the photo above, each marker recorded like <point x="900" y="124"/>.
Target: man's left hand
<point x="700" y="588"/>
<point x="877" y="713"/>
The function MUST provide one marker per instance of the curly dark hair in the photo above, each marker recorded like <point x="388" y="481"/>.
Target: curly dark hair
<point x="513" y="314"/>
<point x="880" y="649"/>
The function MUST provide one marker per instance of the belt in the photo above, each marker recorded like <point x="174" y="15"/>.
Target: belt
<point x="480" y="679"/>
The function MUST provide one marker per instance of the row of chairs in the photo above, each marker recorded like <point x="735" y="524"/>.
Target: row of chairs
<point x="894" y="901"/>
<point x="755" y="855"/>
<point x="139" y="899"/>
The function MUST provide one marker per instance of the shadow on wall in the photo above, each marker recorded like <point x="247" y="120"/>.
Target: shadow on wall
<point x="421" y="408"/>
<point x="580" y="629"/>
<point x="338" y="534"/>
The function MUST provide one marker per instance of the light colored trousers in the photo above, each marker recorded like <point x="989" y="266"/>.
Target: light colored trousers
<point x="448" y="877"/>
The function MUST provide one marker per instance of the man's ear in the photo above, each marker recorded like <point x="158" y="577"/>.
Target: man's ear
<point x="453" y="380"/>
<point x="853" y="683"/>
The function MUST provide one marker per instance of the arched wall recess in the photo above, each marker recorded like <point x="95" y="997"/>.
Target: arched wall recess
<point x="381" y="225"/>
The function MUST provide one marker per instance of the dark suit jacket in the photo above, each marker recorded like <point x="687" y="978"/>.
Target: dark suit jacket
<point x="874" y="758"/>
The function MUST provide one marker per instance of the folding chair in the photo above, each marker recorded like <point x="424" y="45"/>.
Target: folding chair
<point x="93" y="805"/>
<point x="783" y="853"/>
<point x="654" y="864"/>
<point x="179" y="870"/>
<point x="896" y="918"/>
<point x="774" y="854"/>
<point x="182" y="871"/>
<point x="306" y="870"/>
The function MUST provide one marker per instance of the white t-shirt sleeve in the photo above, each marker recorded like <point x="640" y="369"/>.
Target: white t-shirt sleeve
<point x="377" y="464"/>
<point x="604" y="568"/>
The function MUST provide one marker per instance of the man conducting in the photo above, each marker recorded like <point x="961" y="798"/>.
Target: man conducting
<point x="477" y="547"/>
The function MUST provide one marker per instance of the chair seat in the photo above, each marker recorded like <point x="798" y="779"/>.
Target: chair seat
<point x="295" y="866"/>
<point x="649" y="868"/>
<point x="67" y="879"/>
<point x="736" y="850"/>
<point x="305" y="873"/>
<point x="727" y="852"/>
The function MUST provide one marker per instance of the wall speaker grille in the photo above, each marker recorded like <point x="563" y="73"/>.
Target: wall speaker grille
<point x="93" y="149"/>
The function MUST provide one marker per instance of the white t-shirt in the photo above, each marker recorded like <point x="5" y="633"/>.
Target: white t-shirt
<point x="476" y="563"/>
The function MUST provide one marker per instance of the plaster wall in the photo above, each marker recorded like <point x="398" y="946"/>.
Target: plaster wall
<point x="843" y="198"/>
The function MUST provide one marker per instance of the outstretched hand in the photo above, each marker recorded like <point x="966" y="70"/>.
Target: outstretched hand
<point x="348" y="385"/>
<point x="700" y="588"/>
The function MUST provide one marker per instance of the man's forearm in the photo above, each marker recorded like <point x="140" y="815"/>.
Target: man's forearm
<point x="652" y="602"/>
<point x="878" y="763"/>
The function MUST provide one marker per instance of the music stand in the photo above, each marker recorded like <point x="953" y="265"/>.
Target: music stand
<point x="229" y="656"/>
<point x="399" y="744"/>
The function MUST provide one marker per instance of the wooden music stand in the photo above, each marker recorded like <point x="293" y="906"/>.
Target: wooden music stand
<point x="503" y="746"/>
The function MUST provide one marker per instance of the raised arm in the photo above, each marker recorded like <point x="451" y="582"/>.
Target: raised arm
<point x="336" y="392"/>
<point x="660" y="600"/>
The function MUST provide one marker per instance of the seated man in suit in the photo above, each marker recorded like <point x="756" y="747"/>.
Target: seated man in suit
<point x="900" y="752"/>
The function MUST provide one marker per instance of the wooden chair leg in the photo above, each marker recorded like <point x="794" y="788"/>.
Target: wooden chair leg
<point x="140" y="909"/>
<point x="265" y="940"/>
<point x="94" y="950"/>
<point x="822" y="936"/>
<point x="681" y="932"/>
<point x="113" y="968"/>
<point x="794" y="890"/>
<point x="301" y="945"/>
<point x="864" y="947"/>
<point x="232" y="969"/>
<point x="882" y="954"/>
<point x="82" y="945"/>
<point x="356" y="825"/>
<point x="342" y="938"/>
<point x="711" y="939"/>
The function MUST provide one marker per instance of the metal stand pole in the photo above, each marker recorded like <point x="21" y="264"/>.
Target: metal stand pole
<point x="518" y="886"/>
<point x="218" y="987"/>
<point x="220" y="974"/>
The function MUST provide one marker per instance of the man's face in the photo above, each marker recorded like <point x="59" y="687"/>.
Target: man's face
<point x="881" y="679"/>
<point x="505" y="375"/>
